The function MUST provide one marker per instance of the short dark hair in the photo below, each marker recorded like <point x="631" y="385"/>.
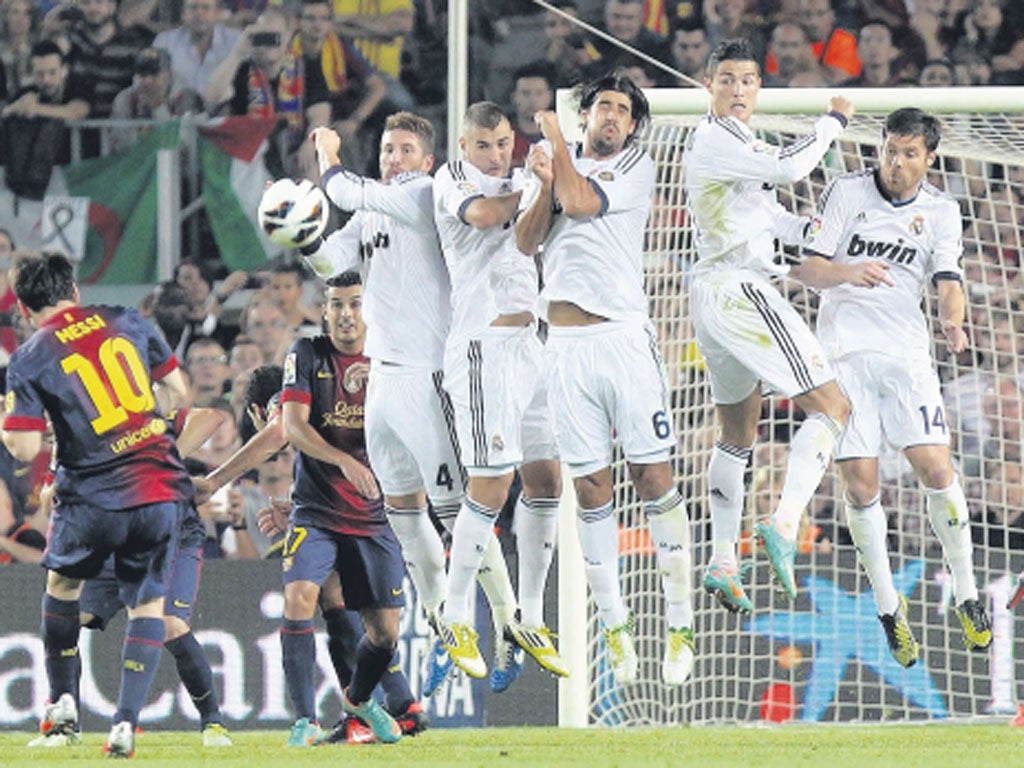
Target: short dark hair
<point x="538" y="68"/>
<point x="204" y="268"/>
<point x="45" y="281"/>
<point x="483" y="114"/>
<point x="47" y="48"/>
<point x="290" y="268"/>
<point x="731" y="50"/>
<point x="344" y="280"/>
<point x="262" y="385"/>
<point x="911" y="121"/>
<point x="420" y="126"/>
<point x="640" y="110"/>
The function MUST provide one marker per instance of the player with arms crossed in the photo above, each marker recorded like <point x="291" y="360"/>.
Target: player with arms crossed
<point x="885" y="233"/>
<point x="120" y="486"/>
<point x="337" y="520"/>
<point x="605" y="372"/>
<point x="410" y="433"/>
<point x="747" y="333"/>
<point x="493" y="370"/>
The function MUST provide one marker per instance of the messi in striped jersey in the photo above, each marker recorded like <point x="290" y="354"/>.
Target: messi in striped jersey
<point x="606" y="377"/>
<point x="747" y="332"/>
<point x="883" y="235"/>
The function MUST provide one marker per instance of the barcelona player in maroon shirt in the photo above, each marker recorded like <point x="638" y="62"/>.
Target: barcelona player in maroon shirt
<point x="337" y="521"/>
<point x="120" y="487"/>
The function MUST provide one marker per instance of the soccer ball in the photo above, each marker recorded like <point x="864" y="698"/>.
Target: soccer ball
<point x="293" y="212"/>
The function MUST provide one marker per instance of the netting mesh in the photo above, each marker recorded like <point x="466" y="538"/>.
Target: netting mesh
<point x="823" y="657"/>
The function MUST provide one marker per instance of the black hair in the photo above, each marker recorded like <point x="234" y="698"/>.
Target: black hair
<point x="539" y="68"/>
<point x="731" y="50"/>
<point x="206" y="271"/>
<point x="483" y="114"/>
<point x="911" y="121"/>
<point x="290" y="268"/>
<point x="344" y="280"/>
<point x="264" y="382"/>
<point x="45" y="281"/>
<point x="640" y="110"/>
<point x="47" y="48"/>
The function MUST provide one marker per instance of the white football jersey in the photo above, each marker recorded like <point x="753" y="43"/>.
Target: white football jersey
<point x="730" y="175"/>
<point x="597" y="263"/>
<point x="489" y="274"/>
<point x="919" y="239"/>
<point x="392" y="239"/>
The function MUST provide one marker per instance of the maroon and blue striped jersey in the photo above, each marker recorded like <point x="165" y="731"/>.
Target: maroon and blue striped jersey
<point x="315" y="373"/>
<point x="91" y="370"/>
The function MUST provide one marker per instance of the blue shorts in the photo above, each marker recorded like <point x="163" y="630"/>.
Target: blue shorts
<point x="101" y="598"/>
<point x="143" y="542"/>
<point x="371" y="567"/>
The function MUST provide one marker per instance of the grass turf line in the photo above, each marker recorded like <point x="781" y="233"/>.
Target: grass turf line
<point x="925" y="746"/>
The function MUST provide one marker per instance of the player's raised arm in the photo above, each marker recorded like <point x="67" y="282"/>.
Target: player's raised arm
<point x="574" y="191"/>
<point x="534" y="222"/>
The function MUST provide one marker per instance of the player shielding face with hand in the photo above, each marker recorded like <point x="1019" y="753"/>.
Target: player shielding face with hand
<point x="747" y="332"/>
<point x="605" y="374"/>
<point x="492" y="369"/>
<point x="883" y="235"/>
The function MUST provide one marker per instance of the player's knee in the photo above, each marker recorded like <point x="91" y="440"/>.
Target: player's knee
<point x="300" y="600"/>
<point x="174" y="627"/>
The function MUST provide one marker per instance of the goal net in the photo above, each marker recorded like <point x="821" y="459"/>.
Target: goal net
<point x="823" y="657"/>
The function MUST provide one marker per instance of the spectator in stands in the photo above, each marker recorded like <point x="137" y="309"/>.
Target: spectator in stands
<point x="533" y="91"/>
<point x="34" y="136"/>
<point x="567" y="48"/>
<point x="624" y="21"/>
<point x="265" y="323"/>
<point x="104" y="52"/>
<point x="286" y="283"/>
<point x="877" y="54"/>
<point x="795" y="62"/>
<point x="262" y="78"/>
<point x="834" y="48"/>
<point x="155" y="95"/>
<point x="19" y="31"/>
<point x="378" y="30"/>
<point x="937" y="73"/>
<point x="731" y="19"/>
<point x="988" y="44"/>
<point x="425" y="54"/>
<point x="931" y="20"/>
<point x="207" y="364"/>
<point x="199" y="45"/>
<point x="205" y="306"/>
<point x="244" y="356"/>
<point x="355" y="88"/>
<point x="8" y="301"/>
<point x="690" y="48"/>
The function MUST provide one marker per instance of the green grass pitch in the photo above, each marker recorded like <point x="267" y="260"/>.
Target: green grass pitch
<point x="927" y="746"/>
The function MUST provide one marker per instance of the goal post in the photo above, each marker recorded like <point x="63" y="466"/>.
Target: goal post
<point x="822" y="658"/>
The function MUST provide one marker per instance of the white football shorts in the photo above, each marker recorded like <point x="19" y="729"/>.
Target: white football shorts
<point x="501" y="407"/>
<point x="410" y="433"/>
<point x="607" y="381"/>
<point x="748" y="333"/>
<point x="891" y="398"/>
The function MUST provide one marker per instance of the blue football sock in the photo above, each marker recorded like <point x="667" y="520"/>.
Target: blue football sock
<point x="298" y="650"/>
<point x="371" y="663"/>
<point x="195" y="674"/>
<point x="143" y="638"/>
<point x="344" y="629"/>
<point x="60" y="629"/>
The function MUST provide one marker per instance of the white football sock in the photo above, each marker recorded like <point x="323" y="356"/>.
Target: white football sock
<point x="473" y="534"/>
<point x="950" y="519"/>
<point x="725" y="500"/>
<point x="536" y="526"/>
<point x="598" y="530"/>
<point x="868" y="530"/>
<point x="809" y="453"/>
<point x="670" y="532"/>
<point x="423" y="553"/>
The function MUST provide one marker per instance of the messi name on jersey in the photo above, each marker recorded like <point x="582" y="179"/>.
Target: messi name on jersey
<point x="77" y="330"/>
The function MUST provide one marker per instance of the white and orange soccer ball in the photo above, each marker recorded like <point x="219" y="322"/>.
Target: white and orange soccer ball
<point x="293" y="212"/>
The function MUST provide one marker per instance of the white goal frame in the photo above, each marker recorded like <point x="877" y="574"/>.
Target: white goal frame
<point x="573" y="597"/>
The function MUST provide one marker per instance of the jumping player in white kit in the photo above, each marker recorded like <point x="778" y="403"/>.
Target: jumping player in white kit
<point x="493" y="374"/>
<point x="748" y="334"/>
<point x="606" y="378"/>
<point x="409" y="430"/>
<point x="883" y="234"/>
